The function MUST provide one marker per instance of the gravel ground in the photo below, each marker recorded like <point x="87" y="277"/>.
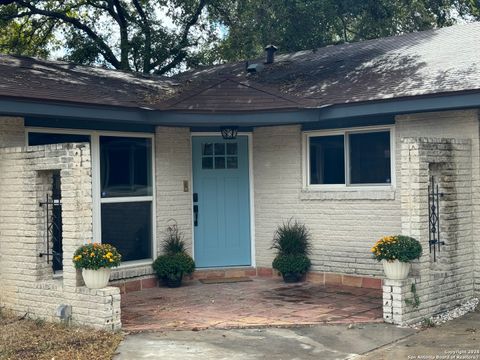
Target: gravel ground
<point x="451" y="314"/>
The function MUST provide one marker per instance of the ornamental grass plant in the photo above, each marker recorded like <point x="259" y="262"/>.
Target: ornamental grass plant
<point x="292" y="242"/>
<point x="397" y="247"/>
<point x="175" y="261"/>
<point x="95" y="256"/>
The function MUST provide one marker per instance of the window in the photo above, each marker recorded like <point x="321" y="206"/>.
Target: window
<point x="126" y="195"/>
<point x="350" y="158"/>
<point x="125" y="166"/>
<point x="122" y="185"/>
<point x="219" y="156"/>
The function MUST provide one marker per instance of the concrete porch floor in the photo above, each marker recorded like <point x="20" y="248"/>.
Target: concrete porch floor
<point x="258" y="303"/>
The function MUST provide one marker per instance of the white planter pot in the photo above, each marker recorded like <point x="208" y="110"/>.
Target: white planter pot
<point x="396" y="270"/>
<point x="96" y="279"/>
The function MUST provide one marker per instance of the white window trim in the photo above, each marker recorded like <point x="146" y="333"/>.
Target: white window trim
<point x="96" y="181"/>
<point x="346" y="187"/>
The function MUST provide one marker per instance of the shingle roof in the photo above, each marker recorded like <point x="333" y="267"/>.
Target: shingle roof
<point x="30" y="78"/>
<point x="228" y="94"/>
<point x="424" y="63"/>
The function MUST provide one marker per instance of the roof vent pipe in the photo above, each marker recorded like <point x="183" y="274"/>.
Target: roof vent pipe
<point x="270" y="49"/>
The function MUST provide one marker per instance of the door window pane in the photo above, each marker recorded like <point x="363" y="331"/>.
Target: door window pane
<point x="207" y="149"/>
<point x="219" y="149"/>
<point x="370" y="158"/>
<point x="232" y="149"/>
<point x="219" y="163"/>
<point x="327" y="160"/>
<point x="127" y="226"/>
<point x="125" y="166"/>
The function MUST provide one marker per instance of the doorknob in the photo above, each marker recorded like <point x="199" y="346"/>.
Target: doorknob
<point x="195" y="215"/>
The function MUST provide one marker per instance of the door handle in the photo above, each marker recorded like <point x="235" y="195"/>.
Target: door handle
<point x="195" y="215"/>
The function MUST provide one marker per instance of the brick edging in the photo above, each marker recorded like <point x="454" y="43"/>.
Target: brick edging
<point x="323" y="278"/>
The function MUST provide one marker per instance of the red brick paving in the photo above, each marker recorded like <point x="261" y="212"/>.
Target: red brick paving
<point x="260" y="303"/>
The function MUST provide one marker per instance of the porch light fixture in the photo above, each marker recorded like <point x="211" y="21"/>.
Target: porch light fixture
<point x="229" y="132"/>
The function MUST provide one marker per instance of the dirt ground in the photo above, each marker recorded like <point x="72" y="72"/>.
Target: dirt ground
<point x="24" y="339"/>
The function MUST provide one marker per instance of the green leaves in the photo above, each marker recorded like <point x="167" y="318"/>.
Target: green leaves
<point x="95" y="256"/>
<point x="309" y="24"/>
<point x="291" y="264"/>
<point x="398" y="247"/>
<point x="292" y="238"/>
<point x="292" y="242"/>
<point x="175" y="262"/>
<point x="172" y="266"/>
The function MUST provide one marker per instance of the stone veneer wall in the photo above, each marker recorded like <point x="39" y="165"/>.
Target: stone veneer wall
<point x="27" y="282"/>
<point x="449" y="280"/>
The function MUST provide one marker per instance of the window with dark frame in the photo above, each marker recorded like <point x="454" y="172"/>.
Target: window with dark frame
<point x="366" y="156"/>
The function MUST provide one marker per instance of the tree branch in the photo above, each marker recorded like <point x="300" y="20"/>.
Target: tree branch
<point x="177" y="51"/>
<point x="123" y="24"/>
<point x="104" y="48"/>
<point x="148" y="37"/>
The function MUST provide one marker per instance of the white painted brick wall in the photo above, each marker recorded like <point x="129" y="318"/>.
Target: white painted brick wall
<point x="343" y="229"/>
<point x="459" y="125"/>
<point x="26" y="280"/>
<point x="173" y="166"/>
<point x="12" y="131"/>
<point x="344" y="225"/>
<point x="449" y="280"/>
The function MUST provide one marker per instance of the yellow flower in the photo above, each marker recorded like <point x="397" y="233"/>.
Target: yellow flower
<point x="92" y="254"/>
<point x="111" y="260"/>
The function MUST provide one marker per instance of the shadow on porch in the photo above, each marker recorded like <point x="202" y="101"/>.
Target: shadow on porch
<point x="257" y="303"/>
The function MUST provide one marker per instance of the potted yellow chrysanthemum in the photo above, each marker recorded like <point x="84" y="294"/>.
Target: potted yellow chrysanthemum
<point x="96" y="261"/>
<point x="395" y="252"/>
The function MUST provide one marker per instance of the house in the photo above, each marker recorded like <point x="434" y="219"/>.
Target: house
<point x="344" y="138"/>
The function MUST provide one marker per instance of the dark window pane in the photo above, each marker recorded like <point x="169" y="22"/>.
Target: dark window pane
<point x="127" y="226"/>
<point x="207" y="163"/>
<point x="219" y="149"/>
<point x="49" y="138"/>
<point x="327" y="160"/>
<point x="207" y="149"/>
<point x="125" y="166"/>
<point x="232" y="162"/>
<point x="370" y="158"/>
<point x="219" y="163"/>
<point x="232" y="149"/>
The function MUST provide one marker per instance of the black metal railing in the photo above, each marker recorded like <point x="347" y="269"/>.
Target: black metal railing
<point x="434" y="196"/>
<point x="53" y="227"/>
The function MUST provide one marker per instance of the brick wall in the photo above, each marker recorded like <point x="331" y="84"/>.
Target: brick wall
<point x="173" y="166"/>
<point x="447" y="279"/>
<point x="344" y="224"/>
<point x="12" y="131"/>
<point x="458" y="125"/>
<point x="26" y="280"/>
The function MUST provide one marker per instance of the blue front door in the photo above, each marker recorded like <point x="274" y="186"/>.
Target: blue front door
<point x="221" y="201"/>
